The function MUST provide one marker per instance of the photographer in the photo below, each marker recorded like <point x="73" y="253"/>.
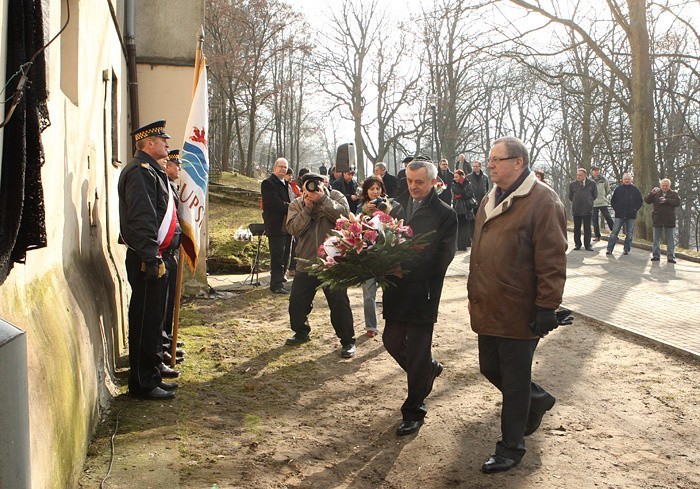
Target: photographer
<point x="374" y="199"/>
<point x="310" y="219"/>
<point x="663" y="218"/>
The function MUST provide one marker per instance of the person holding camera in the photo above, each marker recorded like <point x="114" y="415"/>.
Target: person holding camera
<point x="463" y="203"/>
<point x="374" y="200"/>
<point x="663" y="217"/>
<point x="310" y="218"/>
<point x="517" y="272"/>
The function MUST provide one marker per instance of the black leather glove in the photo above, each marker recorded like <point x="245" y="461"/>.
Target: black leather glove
<point x="545" y="321"/>
<point x="564" y="317"/>
<point x="153" y="270"/>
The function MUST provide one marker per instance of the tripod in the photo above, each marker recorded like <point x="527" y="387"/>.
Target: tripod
<point x="256" y="230"/>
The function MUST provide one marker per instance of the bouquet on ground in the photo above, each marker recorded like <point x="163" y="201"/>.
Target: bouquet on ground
<point x="364" y="248"/>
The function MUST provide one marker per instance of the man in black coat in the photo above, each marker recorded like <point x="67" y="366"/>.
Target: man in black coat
<point x="347" y="186"/>
<point x="626" y="201"/>
<point x="582" y="193"/>
<point x="479" y="181"/>
<point x="402" y="190"/>
<point x="147" y="220"/>
<point x="275" y="200"/>
<point x="391" y="183"/>
<point x="663" y="218"/>
<point x="411" y="303"/>
<point x="447" y="177"/>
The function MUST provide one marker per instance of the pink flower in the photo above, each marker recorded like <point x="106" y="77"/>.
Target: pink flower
<point x="371" y="236"/>
<point x="321" y="251"/>
<point x="405" y="230"/>
<point x="384" y="217"/>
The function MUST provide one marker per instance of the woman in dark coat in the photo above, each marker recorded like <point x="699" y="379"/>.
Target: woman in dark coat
<point x="462" y="203"/>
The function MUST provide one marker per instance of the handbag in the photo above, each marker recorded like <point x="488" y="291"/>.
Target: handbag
<point x="472" y="204"/>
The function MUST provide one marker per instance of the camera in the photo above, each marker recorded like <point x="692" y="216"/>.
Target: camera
<point x="380" y="203"/>
<point x="312" y="185"/>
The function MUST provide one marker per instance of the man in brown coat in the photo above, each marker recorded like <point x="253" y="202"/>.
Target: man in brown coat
<point x="516" y="281"/>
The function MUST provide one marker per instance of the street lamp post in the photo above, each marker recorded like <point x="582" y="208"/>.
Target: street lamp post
<point x="435" y="143"/>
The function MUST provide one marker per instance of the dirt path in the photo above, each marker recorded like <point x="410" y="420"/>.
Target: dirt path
<point x="252" y="413"/>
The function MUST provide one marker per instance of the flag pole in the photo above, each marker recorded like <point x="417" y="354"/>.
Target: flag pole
<point x="178" y="289"/>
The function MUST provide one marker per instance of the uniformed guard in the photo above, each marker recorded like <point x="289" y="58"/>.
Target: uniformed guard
<point x="148" y="221"/>
<point x="173" y="167"/>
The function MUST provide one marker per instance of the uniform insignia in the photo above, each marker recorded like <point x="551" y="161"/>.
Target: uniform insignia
<point x="145" y="165"/>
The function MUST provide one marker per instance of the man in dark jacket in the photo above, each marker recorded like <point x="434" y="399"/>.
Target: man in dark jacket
<point x="402" y="191"/>
<point x="347" y="186"/>
<point x="447" y="177"/>
<point x="391" y="183"/>
<point x="626" y="201"/>
<point x="147" y="220"/>
<point x="663" y="218"/>
<point x="411" y="303"/>
<point x="582" y="192"/>
<point x="517" y="273"/>
<point x="275" y="200"/>
<point x="479" y="181"/>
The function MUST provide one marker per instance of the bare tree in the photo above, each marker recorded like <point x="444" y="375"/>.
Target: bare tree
<point x="343" y="64"/>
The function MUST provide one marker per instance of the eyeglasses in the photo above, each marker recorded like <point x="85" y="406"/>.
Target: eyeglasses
<point x="496" y="160"/>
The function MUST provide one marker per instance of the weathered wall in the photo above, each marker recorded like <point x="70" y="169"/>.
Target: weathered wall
<point x="70" y="296"/>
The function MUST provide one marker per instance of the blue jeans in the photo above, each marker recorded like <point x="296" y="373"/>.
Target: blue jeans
<point x="629" y="224"/>
<point x="670" y="242"/>
<point x="369" y="299"/>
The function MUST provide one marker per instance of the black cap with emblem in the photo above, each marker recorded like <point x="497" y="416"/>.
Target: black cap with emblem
<point x="156" y="128"/>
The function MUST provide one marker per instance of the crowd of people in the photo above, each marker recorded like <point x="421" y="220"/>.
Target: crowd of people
<point x="516" y="230"/>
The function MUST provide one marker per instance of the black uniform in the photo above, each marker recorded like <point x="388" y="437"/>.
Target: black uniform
<point x="143" y="201"/>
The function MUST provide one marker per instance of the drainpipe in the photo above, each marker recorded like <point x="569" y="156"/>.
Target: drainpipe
<point x="14" y="409"/>
<point x="130" y="35"/>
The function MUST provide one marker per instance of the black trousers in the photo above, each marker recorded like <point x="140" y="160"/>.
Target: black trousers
<point x="411" y="346"/>
<point x="464" y="240"/>
<point x="507" y="364"/>
<point x="170" y="261"/>
<point x="280" y="247"/>
<point x="586" y="222"/>
<point x="596" y="220"/>
<point x="301" y="303"/>
<point x="146" y="314"/>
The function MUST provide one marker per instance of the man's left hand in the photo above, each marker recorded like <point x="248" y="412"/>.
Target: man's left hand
<point x="545" y="321"/>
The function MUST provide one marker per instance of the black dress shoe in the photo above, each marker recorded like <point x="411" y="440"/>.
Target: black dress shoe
<point x="577" y="248"/>
<point x="670" y="260"/>
<point x="534" y="419"/>
<point x="157" y="394"/>
<point x="408" y="427"/>
<point x="297" y="340"/>
<point x="167" y="358"/>
<point x="589" y="248"/>
<point x="279" y="290"/>
<point x="656" y="258"/>
<point x="437" y="370"/>
<point x="498" y="463"/>
<point x="168" y="386"/>
<point x="348" y="351"/>
<point x="168" y="372"/>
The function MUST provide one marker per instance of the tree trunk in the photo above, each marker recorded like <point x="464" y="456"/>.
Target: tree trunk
<point x="642" y="111"/>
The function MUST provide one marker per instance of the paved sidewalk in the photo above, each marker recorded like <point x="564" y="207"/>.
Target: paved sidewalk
<point x="656" y="300"/>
